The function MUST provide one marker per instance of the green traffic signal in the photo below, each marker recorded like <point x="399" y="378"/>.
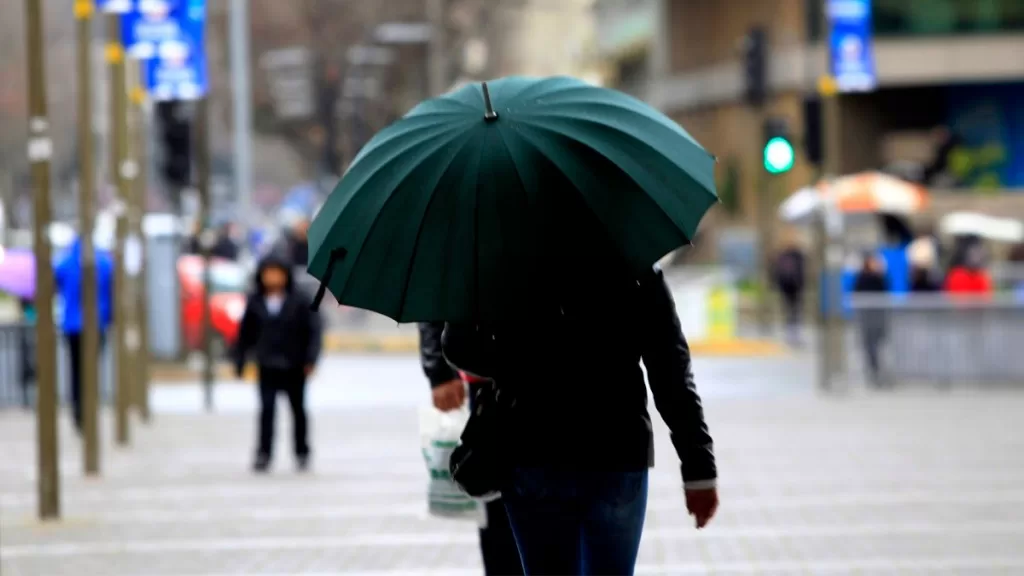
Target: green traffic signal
<point x="779" y="155"/>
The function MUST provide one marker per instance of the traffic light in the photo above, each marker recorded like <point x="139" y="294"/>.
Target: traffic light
<point x="779" y="154"/>
<point x="755" y="67"/>
<point x="176" y="137"/>
<point x="813" y="146"/>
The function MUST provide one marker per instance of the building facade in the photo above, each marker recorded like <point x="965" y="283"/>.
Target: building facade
<point x="957" y="64"/>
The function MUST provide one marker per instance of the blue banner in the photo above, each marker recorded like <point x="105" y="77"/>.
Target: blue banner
<point x="169" y="36"/>
<point x="851" y="56"/>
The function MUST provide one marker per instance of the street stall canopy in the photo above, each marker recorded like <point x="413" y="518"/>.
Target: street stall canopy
<point x="865" y="193"/>
<point x="983" y="226"/>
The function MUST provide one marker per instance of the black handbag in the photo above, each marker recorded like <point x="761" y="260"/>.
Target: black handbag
<point x="479" y="464"/>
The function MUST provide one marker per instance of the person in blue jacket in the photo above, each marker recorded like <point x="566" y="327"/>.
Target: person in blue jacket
<point x="68" y="273"/>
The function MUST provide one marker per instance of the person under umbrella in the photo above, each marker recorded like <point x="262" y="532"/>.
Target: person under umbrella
<point x="448" y="390"/>
<point x="528" y="214"/>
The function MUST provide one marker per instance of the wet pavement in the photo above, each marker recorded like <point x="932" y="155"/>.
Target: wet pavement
<point x="908" y="482"/>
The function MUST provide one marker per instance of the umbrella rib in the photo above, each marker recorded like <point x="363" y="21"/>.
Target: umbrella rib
<point x="547" y="114"/>
<point x="568" y="178"/>
<point x="391" y="195"/>
<point x="685" y="201"/>
<point x="419" y="230"/>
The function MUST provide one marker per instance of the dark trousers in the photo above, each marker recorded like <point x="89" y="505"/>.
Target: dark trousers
<point x="74" y="342"/>
<point x="293" y="383"/>
<point x="575" y="522"/>
<point x="872" y="339"/>
<point x="497" y="542"/>
<point x="792" y="304"/>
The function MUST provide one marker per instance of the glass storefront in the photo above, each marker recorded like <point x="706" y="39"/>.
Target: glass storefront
<point x="946" y="17"/>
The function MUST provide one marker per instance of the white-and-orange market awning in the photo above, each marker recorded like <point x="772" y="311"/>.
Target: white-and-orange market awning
<point x="866" y="193"/>
<point x="876" y="193"/>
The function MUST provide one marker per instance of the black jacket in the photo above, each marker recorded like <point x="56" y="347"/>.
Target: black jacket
<point x="431" y="358"/>
<point x="290" y="339"/>
<point x="581" y="401"/>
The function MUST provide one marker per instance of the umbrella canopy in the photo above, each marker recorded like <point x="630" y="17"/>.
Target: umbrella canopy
<point x="865" y="193"/>
<point x="444" y="214"/>
<point x="18" y="273"/>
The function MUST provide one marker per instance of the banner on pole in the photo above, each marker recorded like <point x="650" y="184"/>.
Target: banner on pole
<point x="169" y="36"/>
<point x="851" y="58"/>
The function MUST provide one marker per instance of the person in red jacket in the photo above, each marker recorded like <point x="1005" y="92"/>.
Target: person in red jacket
<point x="968" y="275"/>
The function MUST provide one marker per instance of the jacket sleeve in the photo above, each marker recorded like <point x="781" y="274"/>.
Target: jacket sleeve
<point x="470" y="349"/>
<point x="666" y="356"/>
<point x="432" y="359"/>
<point x="246" y="335"/>
<point x="315" y="326"/>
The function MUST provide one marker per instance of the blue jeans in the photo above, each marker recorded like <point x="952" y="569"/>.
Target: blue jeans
<point x="576" y="522"/>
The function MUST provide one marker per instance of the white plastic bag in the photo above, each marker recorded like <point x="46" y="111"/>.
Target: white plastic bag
<point x="439" y="434"/>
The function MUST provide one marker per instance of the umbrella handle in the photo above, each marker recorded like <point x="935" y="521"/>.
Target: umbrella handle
<point x="336" y="254"/>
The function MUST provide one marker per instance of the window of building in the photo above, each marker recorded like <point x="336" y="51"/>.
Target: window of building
<point x="941" y="17"/>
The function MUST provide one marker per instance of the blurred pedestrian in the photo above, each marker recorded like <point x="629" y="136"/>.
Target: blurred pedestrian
<point x="284" y="335"/>
<point x="1016" y="261"/>
<point x="497" y="543"/>
<point x="575" y="442"/>
<point x="967" y="272"/>
<point x="294" y="242"/>
<point x="68" y="277"/>
<point x="873" y="327"/>
<point x="790" y="280"/>
<point x="28" y="357"/>
<point x="225" y="246"/>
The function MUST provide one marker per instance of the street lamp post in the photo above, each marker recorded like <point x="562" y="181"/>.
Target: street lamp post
<point x="40" y="150"/>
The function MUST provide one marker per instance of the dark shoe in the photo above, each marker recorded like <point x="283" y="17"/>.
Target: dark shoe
<point x="302" y="462"/>
<point x="262" y="464"/>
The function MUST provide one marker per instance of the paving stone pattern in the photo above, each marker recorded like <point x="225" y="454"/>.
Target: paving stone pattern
<point x="902" y="483"/>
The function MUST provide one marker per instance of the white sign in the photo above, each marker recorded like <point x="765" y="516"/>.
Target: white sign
<point x="289" y="73"/>
<point x="132" y="255"/>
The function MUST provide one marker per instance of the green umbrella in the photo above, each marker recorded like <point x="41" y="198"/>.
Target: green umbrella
<point x="448" y="213"/>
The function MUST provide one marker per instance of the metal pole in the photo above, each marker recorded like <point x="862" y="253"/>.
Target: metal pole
<point x="437" y="58"/>
<point x="141" y="108"/>
<point x="90" y="352"/>
<point x="766" y="183"/>
<point x="122" y="172"/>
<point x="135" y="242"/>
<point x="831" y="125"/>
<point x="40" y="149"/>
<point x="829" y="256"/>
<point x="206" y="240"/>
<point x="242" y="87"/>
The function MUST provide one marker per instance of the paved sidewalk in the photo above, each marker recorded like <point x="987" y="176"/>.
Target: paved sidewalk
<point x="907" y="483"/>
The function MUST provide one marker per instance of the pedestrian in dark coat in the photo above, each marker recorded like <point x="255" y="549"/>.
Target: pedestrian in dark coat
<point x="284" y="336"/>
<point x="579" y="440"/>
<point x="790" y="280"/>
<point x="497" y="543"/>
<point x="873" y="326"/>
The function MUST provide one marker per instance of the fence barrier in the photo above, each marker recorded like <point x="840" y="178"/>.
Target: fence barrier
<point x="17" y="367"/>
<point x="940" y="339"/>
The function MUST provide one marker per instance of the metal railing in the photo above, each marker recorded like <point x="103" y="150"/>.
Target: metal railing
<point x="17" y="367"/>
<point x="939" y="339"/>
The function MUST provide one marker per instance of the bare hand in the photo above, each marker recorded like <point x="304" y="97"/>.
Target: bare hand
<point x="449" y="395"/>
<point x="702" y="505"/>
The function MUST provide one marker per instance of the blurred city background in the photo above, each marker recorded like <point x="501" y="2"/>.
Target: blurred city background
<point x="855" y="303"/>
